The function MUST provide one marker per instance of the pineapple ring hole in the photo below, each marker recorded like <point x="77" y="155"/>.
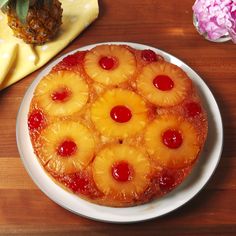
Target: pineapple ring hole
<point x="172" y="138"/>
<point x="121" y="114"/>
<point x="122" y="171"/>
<point x="67" y="148"/>
<point x="108" y="62"/>
<point x="61" y="94"/>
<point x="163" y="82"/>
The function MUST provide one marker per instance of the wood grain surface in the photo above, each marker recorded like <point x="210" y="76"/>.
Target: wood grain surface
<point x="167" y="25"/>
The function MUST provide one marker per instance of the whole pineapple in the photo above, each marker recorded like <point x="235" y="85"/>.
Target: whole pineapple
<point x="34" y="21"/>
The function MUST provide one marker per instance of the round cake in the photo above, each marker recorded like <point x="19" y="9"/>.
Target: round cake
<point x="117" y="126"/>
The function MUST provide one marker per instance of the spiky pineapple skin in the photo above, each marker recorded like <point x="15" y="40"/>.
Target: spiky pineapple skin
<point x="42" y="23"/>
<point x="111" y="135"/>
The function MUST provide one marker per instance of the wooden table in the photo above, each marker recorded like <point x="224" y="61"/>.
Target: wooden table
<point x="25" y="210"/>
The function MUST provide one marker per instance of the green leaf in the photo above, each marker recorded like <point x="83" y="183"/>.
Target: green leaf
<point x="3" y="3"/>
<point x="22" y="7"/>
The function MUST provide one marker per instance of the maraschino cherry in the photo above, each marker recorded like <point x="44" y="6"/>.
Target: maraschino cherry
<point x="107" y="63"/>
<point x="121" y="114"/>
<point x="35" y="120"/>
<point x="122" y="171"/>
<point x="148" y="55"/>
<point x="166" y="182"/>
<point x="61" y="95"/>
<point x="67" y="148"/>
<point x="79" y="184"/>
<point x="193" y="109"/>
<point x="163" y="82"/>
<point x="172" y="138"/>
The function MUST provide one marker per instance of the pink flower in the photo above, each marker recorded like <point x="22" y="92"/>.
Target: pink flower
<point x="216" y="18"/>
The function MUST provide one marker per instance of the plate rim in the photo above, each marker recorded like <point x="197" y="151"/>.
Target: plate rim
<point x="103" y="218"/>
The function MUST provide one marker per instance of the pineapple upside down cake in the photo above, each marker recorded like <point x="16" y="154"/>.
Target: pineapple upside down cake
<point x="116" y="125"/>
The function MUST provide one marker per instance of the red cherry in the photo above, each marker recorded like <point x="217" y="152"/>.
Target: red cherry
<point x="148" y="55"/>
<point x="121" y="171"/>
<point x="107" y="63"/>
<point x="193" y="109"/>
<point x="67" y="148"/>
<point x="121" y="114"/>
<point x="35" y="120"/>
<point x="74" y="59"/>
<point x="61" y="95"/>
<point x="166" y="182"/>
<point x="163" y="82"/>
<point x="79" y="184"/>
<point x="172" y="138"/>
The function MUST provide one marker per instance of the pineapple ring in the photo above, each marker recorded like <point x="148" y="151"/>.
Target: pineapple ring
<point x="100" y="113"/>
<point x="54" y="135"/>
<point x="124" y="69"/>
<point x="66" y="80"/>
<point x="107" y="184"/>
<point x="179" y="157"/>
<point x="182" y="84"/>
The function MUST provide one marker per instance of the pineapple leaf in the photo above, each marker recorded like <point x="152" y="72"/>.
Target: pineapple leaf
<point x="3" y="3"/>
<point x="22" y="8"/>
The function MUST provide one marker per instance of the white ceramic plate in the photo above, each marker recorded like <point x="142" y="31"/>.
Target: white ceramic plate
<point x="187" y="190"/>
